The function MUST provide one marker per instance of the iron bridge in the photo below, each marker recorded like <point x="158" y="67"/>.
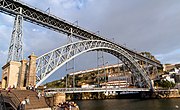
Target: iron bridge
<point x="48" y="63"/>
<point x="34" y="15"/>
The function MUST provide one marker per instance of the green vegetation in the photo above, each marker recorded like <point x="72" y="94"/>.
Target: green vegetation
<point x="88" y="78"/>
<point x="164" y="84"/>
<point x="56" y="84"/>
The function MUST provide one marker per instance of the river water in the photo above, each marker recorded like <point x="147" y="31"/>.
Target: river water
<point x="130" y="104"/>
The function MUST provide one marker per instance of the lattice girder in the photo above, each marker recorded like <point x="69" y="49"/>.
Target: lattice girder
<point x="48" y="63"/>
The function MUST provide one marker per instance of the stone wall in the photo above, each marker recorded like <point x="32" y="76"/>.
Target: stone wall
<point x="19" y="74"/>
<point x="10" y="74"/>
<point x="172" y="93"/>
<point x="59" y="98"/>
<point x="31" y="74"/>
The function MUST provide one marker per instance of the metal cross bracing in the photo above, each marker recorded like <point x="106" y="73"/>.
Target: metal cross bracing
<point x="16" y="45"/>
<point x="49" y="21"/>
<point x="48" y="63"/>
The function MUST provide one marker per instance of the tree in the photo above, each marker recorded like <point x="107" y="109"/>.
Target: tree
<point x="166" y="84"/>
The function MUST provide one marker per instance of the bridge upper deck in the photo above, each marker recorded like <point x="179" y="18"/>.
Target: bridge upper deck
<point x="50" y="21"/>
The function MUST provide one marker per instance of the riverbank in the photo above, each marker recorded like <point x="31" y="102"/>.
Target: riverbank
<point x="160" y="94"/>
<point x="170" y="93"/>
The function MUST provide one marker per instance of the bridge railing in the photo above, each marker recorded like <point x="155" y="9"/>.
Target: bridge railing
<point x="2" y="103"/>
<point x="64" y="90"/>
<point x="12" y="98"/>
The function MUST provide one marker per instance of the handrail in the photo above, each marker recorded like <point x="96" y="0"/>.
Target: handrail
<point x="2" y="102"/>
<point x="17" y="99"/>
<point x="14" y="100"/>
<point x="8" y="100"/>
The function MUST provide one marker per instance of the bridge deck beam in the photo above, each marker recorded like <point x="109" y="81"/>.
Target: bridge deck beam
<point x="52" y="22"/>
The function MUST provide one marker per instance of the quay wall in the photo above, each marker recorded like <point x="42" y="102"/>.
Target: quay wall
<point x="173" y="93"/>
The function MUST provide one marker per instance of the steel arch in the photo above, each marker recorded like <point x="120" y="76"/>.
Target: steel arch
<point x="48" y="63"/>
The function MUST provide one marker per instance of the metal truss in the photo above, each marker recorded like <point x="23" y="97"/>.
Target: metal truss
<point x="16" y="45"/>
<point x="48" y="63"/>
<point x="49" y="21"/>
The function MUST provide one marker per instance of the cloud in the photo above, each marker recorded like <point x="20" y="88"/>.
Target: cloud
<point x="69" y="4"/>
<point x="171" y="57"/>
<point x="41" y="41"/>
<point x="5" y="30"/>
<point x="35" y="30"/>
<point x="6" y="19"/>
<point x="3" y="56"/>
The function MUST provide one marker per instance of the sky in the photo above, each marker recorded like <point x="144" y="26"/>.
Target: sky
<point x="140" y="25"/>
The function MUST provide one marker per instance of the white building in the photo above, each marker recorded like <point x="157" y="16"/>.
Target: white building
<point x="168" y="78"/>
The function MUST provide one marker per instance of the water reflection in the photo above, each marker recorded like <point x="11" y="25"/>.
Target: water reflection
<point x="129" y="104"/>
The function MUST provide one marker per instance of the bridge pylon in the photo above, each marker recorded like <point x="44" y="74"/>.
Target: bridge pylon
<point x="16" y="45"/>
<point x="19" y="74"/>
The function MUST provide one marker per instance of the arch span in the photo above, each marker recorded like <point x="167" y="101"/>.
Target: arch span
<point x="48" y="63"/>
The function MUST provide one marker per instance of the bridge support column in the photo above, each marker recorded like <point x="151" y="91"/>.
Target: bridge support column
<point x="59" y="98"/>
<point x="10" y="73"/>
<point x="31" y="74"/>
<point x="16" y="46"/>
<point x="23" y="72"/>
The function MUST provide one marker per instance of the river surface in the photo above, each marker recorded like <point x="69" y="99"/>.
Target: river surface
<point x="130" y="104"/>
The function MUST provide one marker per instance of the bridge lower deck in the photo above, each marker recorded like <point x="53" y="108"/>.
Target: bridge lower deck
<point x="80" y="90"/>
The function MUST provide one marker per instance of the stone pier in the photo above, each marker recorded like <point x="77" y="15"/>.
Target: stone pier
<point x="10" y="73"/>
<point x="22" y="74"/>
<point x="31" y="74"/>
<point x="19" y="74"/>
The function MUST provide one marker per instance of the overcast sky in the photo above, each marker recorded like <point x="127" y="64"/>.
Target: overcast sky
<point x="141" y="25"/>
